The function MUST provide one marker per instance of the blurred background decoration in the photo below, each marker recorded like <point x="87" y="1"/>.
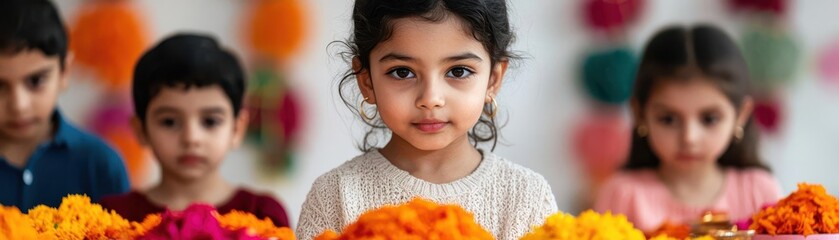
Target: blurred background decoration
<point x="567" y="100"/>
<point x="274" y="31"/>
<point x="607" y="74"/>
<point x="107" y="38"/>
<point x="773" y="55"/>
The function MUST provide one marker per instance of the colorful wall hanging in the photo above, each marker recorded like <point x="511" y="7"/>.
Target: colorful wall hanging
<point x="606" y="75"/>
<point x="110" y="119"/>
<point x="107" y="38"/>
<point x="773" y="56"/>
<point x="275" y="31"/>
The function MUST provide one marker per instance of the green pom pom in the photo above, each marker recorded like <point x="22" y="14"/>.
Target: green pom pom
<point x="772" y="57"/>
<point x="608" y="76"/>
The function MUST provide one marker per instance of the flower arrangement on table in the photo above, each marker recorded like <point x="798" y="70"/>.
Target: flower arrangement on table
<point x="417" y="219"/>
<point x="808" y="213"/>
<point x="78" y="218"/>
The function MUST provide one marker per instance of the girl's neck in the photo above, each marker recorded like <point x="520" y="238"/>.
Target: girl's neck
<point x="453" y="162"/>
<point x="177" y="194"/>
<point x="696" y="187"/>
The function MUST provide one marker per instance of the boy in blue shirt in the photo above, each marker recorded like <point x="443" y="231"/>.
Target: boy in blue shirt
<point x="42" y="156"/>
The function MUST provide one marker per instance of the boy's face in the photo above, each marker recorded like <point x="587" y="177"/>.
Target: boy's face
<point x="191" y="131"/>
<point x="29" y="86"/>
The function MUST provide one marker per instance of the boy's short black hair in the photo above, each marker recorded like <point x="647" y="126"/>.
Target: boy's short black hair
<point x="32" y="24"/>
<point x="184" y="61"/>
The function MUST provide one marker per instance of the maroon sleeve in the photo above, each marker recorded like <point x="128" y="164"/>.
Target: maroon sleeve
<point x="269" y="207"/>
<point x="132" y="206"/>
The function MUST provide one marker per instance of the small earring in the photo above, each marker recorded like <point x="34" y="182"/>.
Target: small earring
<point x="493" y="109"/>
<point x="364" y="114"/>
<point x="739" y="133"/>
<point x="642" y="130"/>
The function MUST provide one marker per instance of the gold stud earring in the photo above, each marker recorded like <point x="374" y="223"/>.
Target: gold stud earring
<point x="739" y="133"/>
<point x="642" y="130"/>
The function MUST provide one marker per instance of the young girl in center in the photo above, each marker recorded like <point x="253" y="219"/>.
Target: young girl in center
<point x="428" y="74"/>
<point x="694" y="148"/>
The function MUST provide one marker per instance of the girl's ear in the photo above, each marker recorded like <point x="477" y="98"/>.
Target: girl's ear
<point x="240" y="127"/>
<point x="637" y="112"/>
<point x="365" y="82"/>
<point x="139" y="131"/>
<point x="746" y="108"/>
<point x="496" y="77"/>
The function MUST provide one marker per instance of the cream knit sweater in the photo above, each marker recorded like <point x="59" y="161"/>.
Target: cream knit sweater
<point x="506" y="199"/>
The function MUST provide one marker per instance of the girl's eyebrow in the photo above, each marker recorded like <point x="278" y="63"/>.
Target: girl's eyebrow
<point x="404" y="57"/>
<point x="396" y="56"/>
<point x="464" y="56"/>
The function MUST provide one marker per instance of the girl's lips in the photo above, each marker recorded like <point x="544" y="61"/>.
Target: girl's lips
<point x="430" y="127"/>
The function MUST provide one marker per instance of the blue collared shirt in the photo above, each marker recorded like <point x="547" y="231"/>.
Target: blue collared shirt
<point x="72" y="162"/>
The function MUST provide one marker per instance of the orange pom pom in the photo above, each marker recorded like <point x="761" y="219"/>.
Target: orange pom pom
<point x="276" y="28"/>
<point x="132" y="152"/>
<point x="108" y="37"/>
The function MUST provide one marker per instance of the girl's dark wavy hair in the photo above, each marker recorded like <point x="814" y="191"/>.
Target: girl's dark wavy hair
<point x="373" y="23"/>
<point x="682" y="54"/>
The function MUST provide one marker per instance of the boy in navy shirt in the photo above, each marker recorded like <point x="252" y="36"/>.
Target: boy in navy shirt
<point x="43" y="157"/>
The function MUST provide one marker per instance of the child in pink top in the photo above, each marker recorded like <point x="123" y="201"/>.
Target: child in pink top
<point x="695" y="148"/>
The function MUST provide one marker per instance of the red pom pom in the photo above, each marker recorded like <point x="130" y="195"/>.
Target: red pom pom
<point x="778" y="7"/>
<point x="601" y="143"/>
<point x="768" y="115"/>
<point x="611" y="14"/>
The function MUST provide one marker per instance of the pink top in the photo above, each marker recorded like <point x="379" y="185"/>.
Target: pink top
<point x="647" y="203"/>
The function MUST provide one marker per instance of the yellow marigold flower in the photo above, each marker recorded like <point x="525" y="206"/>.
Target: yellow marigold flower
<point x="588" y="226"/>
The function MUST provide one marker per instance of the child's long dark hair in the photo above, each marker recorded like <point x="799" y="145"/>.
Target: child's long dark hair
<point x="682" y="54"/>
<point x="373" y="23"/>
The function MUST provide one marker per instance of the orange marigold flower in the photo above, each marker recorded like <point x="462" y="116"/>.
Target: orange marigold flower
<point x="15" y="225"/>
<point x="809" y="210"/>
<point x="679" y="231"/>
<point x="417" y="219"/>
<point x="235" y="220"/>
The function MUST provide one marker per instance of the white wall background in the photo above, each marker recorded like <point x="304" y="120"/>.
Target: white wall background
<point x="540" y="96"/>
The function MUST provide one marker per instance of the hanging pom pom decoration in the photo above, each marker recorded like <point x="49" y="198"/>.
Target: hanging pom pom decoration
<point x="608" y="76"/>
<point x="601" y="143"/>
<point x="111" y="122"/>
<point x="772" y="57"/>
<point x="276" y="28"/>
<point x="607" y="15"/>
<point x="108" y="37"/>
<point x="275" y="119"/>
<point x="828" y="66"/>
<point x="768" y="115"/>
